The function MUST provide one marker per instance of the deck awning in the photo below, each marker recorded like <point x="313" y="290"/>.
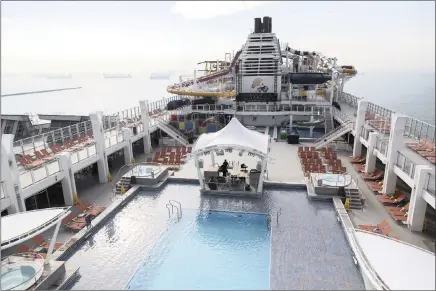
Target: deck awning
<point x="398" y="265"/>
<point x="233" y="135"/>
<point x="22" y="226"/>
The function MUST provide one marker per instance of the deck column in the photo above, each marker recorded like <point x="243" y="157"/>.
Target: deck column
<point x="370" y="157"/>
<point x="68" y="179"/>
<point x="128" y="150"/>
<point x="360" y="121"/>
<point x="10" y="174"/>
<point x="99" y="138"/>
<point x="145" y="118"/>
<point x="418" y="205"/>
<point x="396" y="142"/>
<point x="262" y="175"/>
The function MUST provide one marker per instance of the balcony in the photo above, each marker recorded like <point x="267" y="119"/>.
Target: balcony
<point x="112" y="138"/>
<point x="83" y="154"/>
<point x="30" y="177"/>
<point x="382" y="145"/>
<point x="406" y="165"/>
<point x="430" y="185"/>
<point x="419" y="130"/>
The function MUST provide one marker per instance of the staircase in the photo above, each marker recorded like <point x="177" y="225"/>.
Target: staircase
<point x="328" y="121"/>
<point x="334" y="134"/>
<point x="172" y="131"/>
<point x="125" y="181"/>
<point x="353" y="195"/>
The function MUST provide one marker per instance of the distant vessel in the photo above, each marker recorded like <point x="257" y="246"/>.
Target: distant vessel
<point x="117" y="76"/>
<point x="160" y="76"/>
<point x="59" y="76"/>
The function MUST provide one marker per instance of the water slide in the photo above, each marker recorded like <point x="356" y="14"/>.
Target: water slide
<point x="184" y="88"/>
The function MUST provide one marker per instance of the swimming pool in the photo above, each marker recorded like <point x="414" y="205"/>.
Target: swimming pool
<point x="308" y="246"/>
<point x="209" y="250"/>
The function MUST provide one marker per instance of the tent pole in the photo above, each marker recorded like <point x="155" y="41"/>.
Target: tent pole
<point x="200" y="178"/>
<point x="52" y="242"/>
<point x="262" y="175"/>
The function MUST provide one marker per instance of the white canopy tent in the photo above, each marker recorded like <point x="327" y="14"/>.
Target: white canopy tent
<point x="19" y="227"/>
<point x="233" y="136"/>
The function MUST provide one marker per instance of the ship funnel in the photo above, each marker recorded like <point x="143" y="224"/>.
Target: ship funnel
<point x="257" y="25"/>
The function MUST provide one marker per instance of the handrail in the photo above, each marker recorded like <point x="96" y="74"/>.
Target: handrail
<point x="180" y="205"/>
<point x="405" y="164"/>
<point x="177" y="131"/>
<point x="279" y="213"/>
<point x="347" y="123"/>
<point x="179" y="210"/>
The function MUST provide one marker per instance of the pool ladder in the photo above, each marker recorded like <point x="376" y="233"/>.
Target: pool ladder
<point x="174" y="204"/>
<point x="279" y="213"/>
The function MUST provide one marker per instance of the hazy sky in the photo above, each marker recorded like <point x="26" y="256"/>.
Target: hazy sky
<point x="156" y="36"/>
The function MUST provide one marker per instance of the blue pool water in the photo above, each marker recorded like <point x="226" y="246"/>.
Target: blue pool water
<point x="209" y="250"/>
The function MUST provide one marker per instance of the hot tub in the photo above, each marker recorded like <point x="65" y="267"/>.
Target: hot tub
<point x="335" y="180"/>
<point x="20" y="275"/>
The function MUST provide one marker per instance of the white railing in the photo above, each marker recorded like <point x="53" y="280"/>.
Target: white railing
<point x="378" y="112"/>
<point x="365" y="133"/>
<point x="341" y="115"/>
<point x="212" y="107"/>
<point x="35" y="143"/>
<point x="430" y="187"/>
<point x="3" y="191"/>
<point x="350" y="99"/>
<point x="113" y="139"/>
<point x="83" y="154"/>
<point x="310" y="98"/>
<point x="7" y="265"/>
<point x="33" y="176"/>
<point x="382" y="145"/>
<point x="406" y="165"/>
<point x="419" y="130"/>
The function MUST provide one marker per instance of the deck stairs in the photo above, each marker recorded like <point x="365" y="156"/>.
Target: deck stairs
<point x="334" y="134"/>
<point x="125" y="181"/>
<point x="353" y="195"/>
<point x="328" y="121"/>
<point x="172" y="131"/>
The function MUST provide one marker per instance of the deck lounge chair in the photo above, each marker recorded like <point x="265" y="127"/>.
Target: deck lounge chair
<point x="394" y="200"/>
<point x="76" y="226"/>
<point x="397" y="208"/>
<point x="359" y="167"/>
<point x="375" y="186"/>
<point x="386" y="230"/>
<point x="90" y="206"/>
<point x="22" y="248"/>
<point x="372" y="176"/>
<point x="41" y="242"/>
<point x="381" y="225"/>
<point x="399" y="216"/>
<point x="357" y="160"/>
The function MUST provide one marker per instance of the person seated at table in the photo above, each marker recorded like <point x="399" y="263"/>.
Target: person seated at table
<point x="223" y="168"/>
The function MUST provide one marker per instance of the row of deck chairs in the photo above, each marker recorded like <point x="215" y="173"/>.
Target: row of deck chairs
<point x="322" y="161"/>
<point x="171" y="149"/>
<point x="425" y="149"/>
<point x="75" y="221"/>
<point x="383" y="126"/>
<point x="38" y="241"/>
<point x="382" y="228"/>
<point x="45" y="155"/>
